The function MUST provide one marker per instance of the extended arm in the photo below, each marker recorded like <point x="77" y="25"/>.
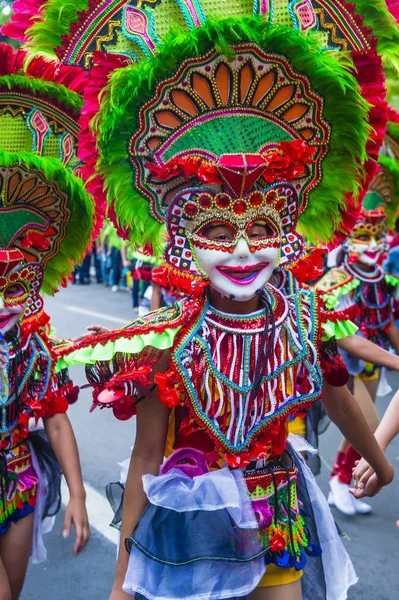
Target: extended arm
<point x="156" y="298"/>
<point x="63" y="442"/>
<point x="125" y="260"/>
<point x="369" y="352"/>
<point x="343" y="410"/>
<point x="393" y="335"/>
<point x="387" y="430"/>
<point x="389" y="426"/>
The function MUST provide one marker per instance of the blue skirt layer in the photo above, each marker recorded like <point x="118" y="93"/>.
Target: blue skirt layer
<point x="177" y="538"/>
<point x="205" y="555"/>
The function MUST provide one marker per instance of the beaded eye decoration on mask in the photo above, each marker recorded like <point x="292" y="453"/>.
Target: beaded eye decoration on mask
<point x="194" y="209"/>
<point x="245" y="188"/>
<point x="257" y="209"/>
<point x="20" y="283"/>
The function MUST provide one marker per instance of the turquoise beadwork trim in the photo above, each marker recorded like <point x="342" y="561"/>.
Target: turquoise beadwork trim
<point x="313" y="369"/>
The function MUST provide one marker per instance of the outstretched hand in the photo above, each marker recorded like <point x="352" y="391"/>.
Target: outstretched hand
<point x="367" y="483"/>
<point x="92" y="330"/>
<point x="75" y="513"/>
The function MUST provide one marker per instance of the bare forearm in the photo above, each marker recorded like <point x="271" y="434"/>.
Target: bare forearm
<point x="156" y="297"/>
<point x="389" y="426"/>
<point x="343" y="410"/>
<point x="63" y="442"/>
<point x="369" y="352"/>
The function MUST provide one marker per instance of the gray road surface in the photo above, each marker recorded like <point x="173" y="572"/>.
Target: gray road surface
<point x="103" y="442"/>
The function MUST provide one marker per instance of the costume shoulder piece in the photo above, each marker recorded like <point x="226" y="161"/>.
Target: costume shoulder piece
<point x="335" y="284"/>
<point x="157" y="330"/>
<point x="335" y="278"/>
<point x="331" y="324"/>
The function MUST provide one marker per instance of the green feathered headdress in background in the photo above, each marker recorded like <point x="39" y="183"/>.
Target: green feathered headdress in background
<point x="384" y="189"/>
<point x="45" y="210"/>
<point x="69" y="29"/>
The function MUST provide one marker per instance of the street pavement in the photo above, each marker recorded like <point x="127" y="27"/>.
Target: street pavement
<point x="372" y="541"/>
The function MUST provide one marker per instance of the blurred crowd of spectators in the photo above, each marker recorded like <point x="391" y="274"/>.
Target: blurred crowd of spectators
<point x="112" y="262"/>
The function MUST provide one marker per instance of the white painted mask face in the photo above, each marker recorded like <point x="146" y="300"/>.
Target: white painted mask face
<point x="9" y="315"/>
<point x="13" y="297"/>
<point x="240" y="265"/>
<point x="368" y="247"/>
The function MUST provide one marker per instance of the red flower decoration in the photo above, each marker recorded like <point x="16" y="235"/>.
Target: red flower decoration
<point x="208" y="174"/>
<point x="161" y="379"/>
<point x="167" y="394"/>
<point x="284" y="164"/>
<point x="170" y="397"/>
<point x="123" y="411"/>
<point x="23" y="419"/>
<point x="277" y="161"/>
<point x="298" y="152"/>
<point x="160" y="275"/>
<point x="163" y="173"/>
<point x="277" y="543"/>
<point x="72" y="395"/>
<point x="34" y="406"/>
<point x="189" y="166"/>
<point x="259" y="450"/>
<point x="289" y="161"/>
<point x="310" y="267"/>
<point x="238" y="460"/>
<point x="36" y="240"/>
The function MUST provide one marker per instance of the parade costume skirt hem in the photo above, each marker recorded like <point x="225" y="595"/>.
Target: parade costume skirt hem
<point x="19" y="488"/>
<point x="224" y="581"/>
<point x="16" y="516"/>
<point x="182" y="569"/>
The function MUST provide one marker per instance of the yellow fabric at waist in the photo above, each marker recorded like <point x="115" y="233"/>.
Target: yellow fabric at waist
<point x="297" y="426"/>
<point x="278" y="576"/>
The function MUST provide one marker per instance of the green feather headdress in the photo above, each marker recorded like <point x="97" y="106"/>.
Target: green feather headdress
<point x="45" y="210"/>
<point x="68" y="29"/>
<point x="131" y="87"/>
<point x="384" y="189"/>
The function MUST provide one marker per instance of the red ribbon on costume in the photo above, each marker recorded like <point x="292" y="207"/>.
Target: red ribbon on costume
<point x="167" y="394"/>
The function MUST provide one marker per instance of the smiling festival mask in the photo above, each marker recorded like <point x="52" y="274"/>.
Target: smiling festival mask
<point x="367" y="242"/>
<point x="232" y="231"/>
<point x="19" y="288"/>
<point x="238" y="255"/>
